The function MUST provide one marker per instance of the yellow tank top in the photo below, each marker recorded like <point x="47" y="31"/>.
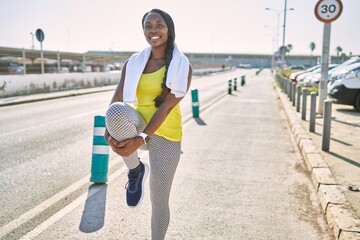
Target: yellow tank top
<point x="149" y="87"/>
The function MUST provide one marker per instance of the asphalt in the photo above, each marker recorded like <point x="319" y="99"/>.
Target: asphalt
<point x="331" y="175"/>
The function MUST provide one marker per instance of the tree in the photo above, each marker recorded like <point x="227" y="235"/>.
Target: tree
<point x="283" y="50"/>
<point x="338" y="50"/>
<point x="312" y="47"/>
<point x="289" y="47"/>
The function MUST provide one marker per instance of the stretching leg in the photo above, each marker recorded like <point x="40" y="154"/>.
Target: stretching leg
<point x="123" y="122"/>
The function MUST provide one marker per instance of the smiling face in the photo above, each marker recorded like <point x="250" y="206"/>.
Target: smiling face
<point x="155" y="30"/>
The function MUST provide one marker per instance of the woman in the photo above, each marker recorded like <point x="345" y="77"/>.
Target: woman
<point x="155" y="80"/>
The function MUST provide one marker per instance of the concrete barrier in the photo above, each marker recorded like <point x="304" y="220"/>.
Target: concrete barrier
<point x="15" y="85"/>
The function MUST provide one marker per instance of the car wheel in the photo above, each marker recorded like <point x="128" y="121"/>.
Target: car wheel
<point x="357" y="102"/>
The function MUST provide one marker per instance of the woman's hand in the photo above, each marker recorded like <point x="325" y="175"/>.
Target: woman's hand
<point x="125" y="147"/>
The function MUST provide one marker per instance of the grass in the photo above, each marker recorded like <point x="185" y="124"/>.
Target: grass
<point x="286" y="75"/>
<point x="311" y="89"/>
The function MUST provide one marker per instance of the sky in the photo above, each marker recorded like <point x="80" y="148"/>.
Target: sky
<point x="202" y="26"/>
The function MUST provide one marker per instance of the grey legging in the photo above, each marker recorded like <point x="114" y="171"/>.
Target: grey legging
<point x="123" y="122"/>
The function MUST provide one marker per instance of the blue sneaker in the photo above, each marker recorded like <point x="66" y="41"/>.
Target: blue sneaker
<point x="135" y="186"/>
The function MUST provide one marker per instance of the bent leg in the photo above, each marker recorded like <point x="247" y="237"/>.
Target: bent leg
<point x="164" y="157"/>
<point x="123" y="122"/>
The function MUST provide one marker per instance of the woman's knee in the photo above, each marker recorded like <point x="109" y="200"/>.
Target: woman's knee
<point x="118" y="122"/>
<point x="116" y="111"/>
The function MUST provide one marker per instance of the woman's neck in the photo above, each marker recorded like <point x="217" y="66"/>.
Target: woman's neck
<point x="157" y="54"/>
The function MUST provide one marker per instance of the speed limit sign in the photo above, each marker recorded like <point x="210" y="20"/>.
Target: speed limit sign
<point x="328" y="10"/>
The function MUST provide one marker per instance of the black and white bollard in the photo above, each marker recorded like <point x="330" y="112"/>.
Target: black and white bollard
<point x="242" y="80"/>
<point x="230" y="87"/>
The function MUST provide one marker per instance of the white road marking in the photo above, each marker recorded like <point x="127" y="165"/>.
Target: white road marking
<point x="50" y="122"/>
<point x="63" y="212"/>
<point x="71" y="206"/>
<point x="45" y="204"/>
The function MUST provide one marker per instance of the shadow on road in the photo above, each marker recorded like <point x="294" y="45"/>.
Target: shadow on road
<point x="336" y="140"/>
<point x="347" y="123"/>
<point x="352" y="112"/>
<point x="348" y="160"/>
<point x="199" y="121"/>
<point x="94" y="211"/>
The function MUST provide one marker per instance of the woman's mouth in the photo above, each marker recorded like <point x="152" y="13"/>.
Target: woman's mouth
<point x="154" y="37"/>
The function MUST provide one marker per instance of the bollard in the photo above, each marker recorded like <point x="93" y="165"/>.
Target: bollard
<point x="242" y="80"/>
<point x="298" y="91"/>
<point x="303" y="110"/>
<point x="312" y="111"/>
<point x="230" y="88"/>
<point x="235" y="87"/>
<point x="195" y="103"/>
<point x="326" y="125"/>
<point x="100" y="152"/>
<point x="293" y="93"/>
<point x="290" y="90"/>
<point x="284" y="84"/>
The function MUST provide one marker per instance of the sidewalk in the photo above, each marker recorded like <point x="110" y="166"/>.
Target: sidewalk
<point x="239" y="177"/>
<point x="336" y="174"/>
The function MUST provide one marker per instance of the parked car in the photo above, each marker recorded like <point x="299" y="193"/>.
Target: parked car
<point x="346" y="90"/>
<point x="293" y="76"/>
<point x="314" y="79"/>
<point x="242" y="65"/>
<point x="297" y="67"/>
<point x="342" y="72"/>
<point x="301" y="77"/>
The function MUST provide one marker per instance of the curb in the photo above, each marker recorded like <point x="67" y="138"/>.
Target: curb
<point x="335" y="206"/>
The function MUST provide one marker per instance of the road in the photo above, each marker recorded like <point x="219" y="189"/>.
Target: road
<point x="240" y="177"/>
<point x="45" y="147"/>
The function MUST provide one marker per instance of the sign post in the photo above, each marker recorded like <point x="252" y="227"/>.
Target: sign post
<point x="326" y="11"/>
<point x="40" y="37"/>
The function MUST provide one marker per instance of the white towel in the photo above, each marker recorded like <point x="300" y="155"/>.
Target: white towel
<point x="177" y="75"/>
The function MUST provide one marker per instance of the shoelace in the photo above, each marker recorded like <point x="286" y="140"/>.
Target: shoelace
<point x="131" y="184"/>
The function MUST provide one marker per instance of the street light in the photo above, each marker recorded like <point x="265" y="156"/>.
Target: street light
<point x="273" y="45"/>
<point x="273" y="37"/>
<point x="284" y="25"/>
<point x="277" y="25"/>
<point x="32" y="39"/>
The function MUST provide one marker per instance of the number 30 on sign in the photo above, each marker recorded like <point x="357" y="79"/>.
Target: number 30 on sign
<point x="328" y="10"/>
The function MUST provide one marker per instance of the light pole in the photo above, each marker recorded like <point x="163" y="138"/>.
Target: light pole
<point x="273" y="45"/>
<point x="284" y="25"/>
<point x="32" y="40"/>
<point x="277" y="25"/>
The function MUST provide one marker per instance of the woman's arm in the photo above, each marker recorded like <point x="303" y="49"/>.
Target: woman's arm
<point x="118" y="94"/>
<point x="128" y="146"/>
<point x="117" y="97"/>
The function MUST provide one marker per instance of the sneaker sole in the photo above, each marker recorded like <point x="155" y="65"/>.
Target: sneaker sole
<point x="142" y="185"/>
